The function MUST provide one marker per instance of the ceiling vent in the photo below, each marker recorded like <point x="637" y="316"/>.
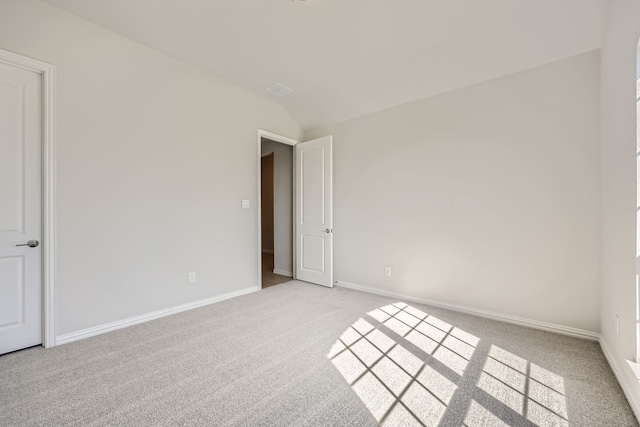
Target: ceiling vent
<point x="279" y="89"/>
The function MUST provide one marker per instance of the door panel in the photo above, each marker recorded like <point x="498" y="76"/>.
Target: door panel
<point x="11" y="158"/>
<point x="314" y="211"/>
<point x="312" y="168"/>
<point x="12" y="289"/>
<point x="312" y="253"/>
<point x="20" y="208"/>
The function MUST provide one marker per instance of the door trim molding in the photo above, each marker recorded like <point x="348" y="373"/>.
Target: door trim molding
<point x="48" y="73"/>
<point x="284" y="140"/>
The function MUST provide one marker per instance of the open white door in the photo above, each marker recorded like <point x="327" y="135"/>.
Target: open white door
<point x="314" y="211"/>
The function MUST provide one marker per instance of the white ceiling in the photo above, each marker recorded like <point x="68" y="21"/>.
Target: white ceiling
<point x="350" y="58"/>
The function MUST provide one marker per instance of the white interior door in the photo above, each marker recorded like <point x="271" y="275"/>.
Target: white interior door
<point x="314" y="211"/>
<point x="20" y="208"/>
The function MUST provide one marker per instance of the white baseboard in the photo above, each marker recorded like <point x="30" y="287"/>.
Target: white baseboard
<point x="113" y="326"/>
<point x="535" y="324"/>
<point x="624" y="375"/>
<point x="267" y="251"/>
<point x="283" y="272"/>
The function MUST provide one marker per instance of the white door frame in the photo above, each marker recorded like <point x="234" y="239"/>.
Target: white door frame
<point x="288" y="141"/>
<point x="48" y="73"/>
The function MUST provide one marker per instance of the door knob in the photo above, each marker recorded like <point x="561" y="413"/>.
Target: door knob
<point x="327" y="230"/>
<point x="30" y="243"/>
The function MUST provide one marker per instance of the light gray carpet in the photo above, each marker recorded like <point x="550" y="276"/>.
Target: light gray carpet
<point x="298" y="354"/>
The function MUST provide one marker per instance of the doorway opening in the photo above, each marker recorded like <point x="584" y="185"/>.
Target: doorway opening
<point x="306" y="250"/>
<point x="276" y="212"/>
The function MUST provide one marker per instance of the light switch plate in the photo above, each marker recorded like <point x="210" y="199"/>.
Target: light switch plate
<point x="246" y="204"/>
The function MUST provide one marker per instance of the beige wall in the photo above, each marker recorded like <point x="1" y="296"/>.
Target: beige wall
<point x="154" y="158"/>
<point x="267" y="203"/>
<point x="485" y="197"/>
<point x="283" y="204"/>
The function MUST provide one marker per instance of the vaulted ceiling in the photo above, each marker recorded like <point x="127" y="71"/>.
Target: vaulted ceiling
<point x="345" y="59"/>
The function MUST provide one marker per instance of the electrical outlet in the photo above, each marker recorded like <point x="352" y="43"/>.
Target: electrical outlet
<point x="387" y="271"/>
<point x="192" y="277"/>
<point x="617" y="325"/>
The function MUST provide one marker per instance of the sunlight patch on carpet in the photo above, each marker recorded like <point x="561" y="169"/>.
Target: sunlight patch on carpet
<point x="407" y="367"/>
